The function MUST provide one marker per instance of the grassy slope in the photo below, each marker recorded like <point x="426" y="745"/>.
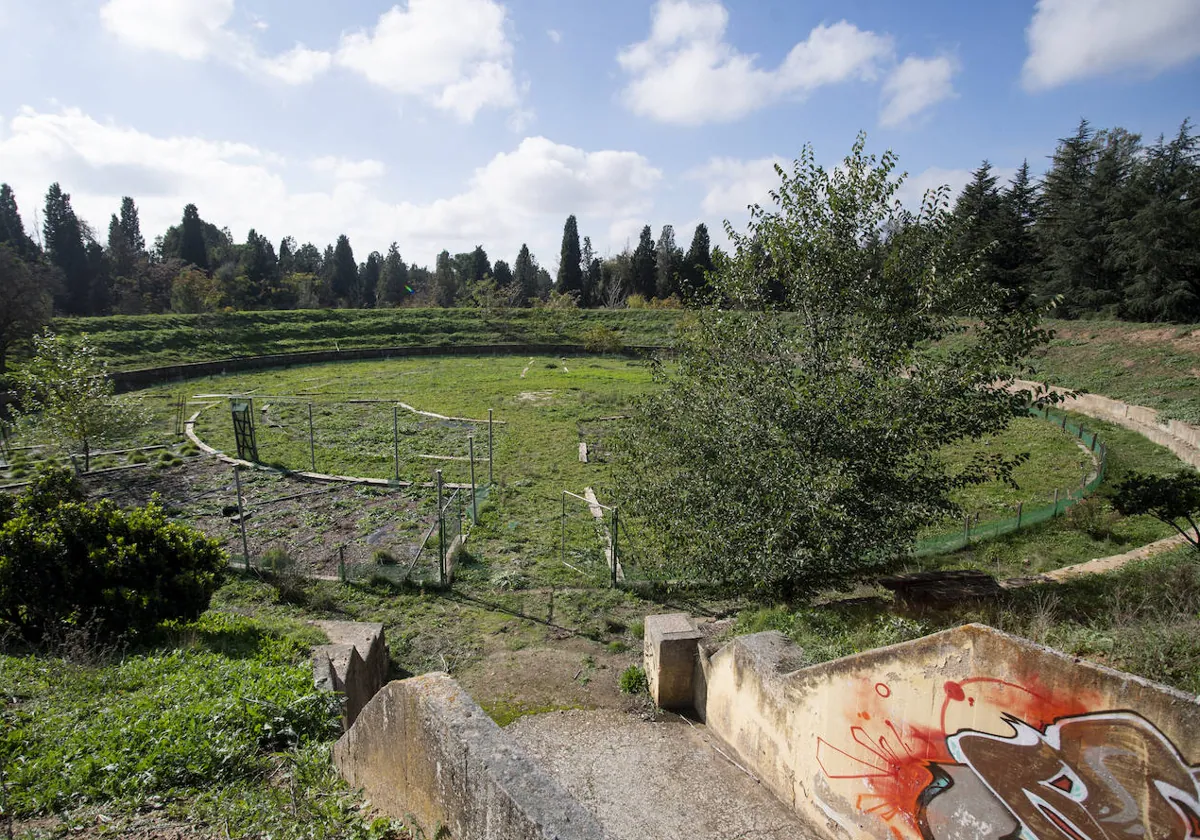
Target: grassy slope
<point x="218" y="728"/>
<point x="144" y="341"/>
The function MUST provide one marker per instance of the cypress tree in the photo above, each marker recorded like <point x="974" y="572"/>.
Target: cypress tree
<point x="65" y="248"/>
<point x="667" y="260"/>
<point x="393" y="279"/>
<point x="192" y="247"/>
<point x="644" y="255"/>
<point x="570" y="273"/>
<point x="444" y="281"/>
<point x="12" y="229"/>
<point x="697" y="262"/>
<point x="345" y="272"/>
<point x="525" y="276"/>
<point x="368" y="278"/>
<point x="502" y="274"/>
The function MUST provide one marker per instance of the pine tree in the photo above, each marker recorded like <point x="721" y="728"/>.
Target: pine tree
<point x="481" y="266"/>
<point x="326" y="275"/>
<point x="369" y="274"/>
<point x="12" y="229"/>
<point x="1160" y="240"/>
<point x="502" y="274"/>
<point x="192" y="248"/>
<point x="260" y="267"/>
<point x="590" y="264"/>
<point x="65" y="247"/>
<point x="444" y="281"/>
<point x="545" y="284"/>
<point x="1017" y="258"/>
<point x="667" y="260"/>
<point x="644" y="265"/>
<point x="697" y="263"/>
<point x="570" y="274"/>
<point x="287" y="256"/>
<point x="525" y="276"/>
<point x="345" y="272"/>
<point x="393" y="279"/>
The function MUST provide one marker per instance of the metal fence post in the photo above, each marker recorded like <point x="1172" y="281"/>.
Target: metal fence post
<point x="616" y="529"/>
<point x="1056" y="501"/>
<point x="1020" y="506"/>
<point x="967" y="528"/>
<point x="474" y="504"/>
<point x="312" y="445"/>
<point x="237" y="479"/>
<point x="489" y="447"/>
<point x="563" y="522"/>
<point x="396" y="439"/>
<point x="342" y="562"/>
<point x="441" y="533"/>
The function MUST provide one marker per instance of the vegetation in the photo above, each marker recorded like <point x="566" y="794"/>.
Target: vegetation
<point x="65" y="562"/>
<point x="1144" y="618"/>
<point x="220" y="728"/>
<point x="1168" y="499"/>
<point x="66" y="395"/>
<point x="787" y="455"/>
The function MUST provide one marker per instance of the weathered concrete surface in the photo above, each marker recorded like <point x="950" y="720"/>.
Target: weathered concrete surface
<point x="424" y="752"/>
<point x="1181" y="438"/>
<point x="664" y="780"/>
<point x="961" y="735"/>
<point x="354" y="663"/>
<point x="670" y="643"/>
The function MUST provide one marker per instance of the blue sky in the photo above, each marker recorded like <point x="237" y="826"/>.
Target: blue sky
<point x="451" y="123"/>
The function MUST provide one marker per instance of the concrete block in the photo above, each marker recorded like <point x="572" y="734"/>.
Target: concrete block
<point x="669" y="653"/>
<point x="354" y="664"/>
<point x="424" y="752"/>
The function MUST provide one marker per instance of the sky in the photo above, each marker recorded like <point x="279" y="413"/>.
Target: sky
<point x="455" y="123"/>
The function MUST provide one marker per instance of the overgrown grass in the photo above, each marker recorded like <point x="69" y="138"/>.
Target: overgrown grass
<point x="221" y="725"/>
<point x="1144" y="619"/>
<point x="147" y="340"/>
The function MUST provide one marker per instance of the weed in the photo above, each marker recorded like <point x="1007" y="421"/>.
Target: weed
<point x="633" y="680"/>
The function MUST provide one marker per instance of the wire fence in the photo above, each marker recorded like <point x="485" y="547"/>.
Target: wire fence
<point x="379" y="439"/>
<point x="1063" y="499"/>
<point x="400" y="540"/>
<point x="589" y="539"/>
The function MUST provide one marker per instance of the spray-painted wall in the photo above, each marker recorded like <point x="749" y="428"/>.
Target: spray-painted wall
<point x="965" y="735"/>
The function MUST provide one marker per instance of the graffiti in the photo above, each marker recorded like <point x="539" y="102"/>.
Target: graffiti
<point x="1009" y="761"/>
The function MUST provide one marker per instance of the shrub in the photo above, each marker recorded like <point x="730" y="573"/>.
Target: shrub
<point x="65" y="561"/>
<point x="602" y="339"/>
<point x="633" y="680"/>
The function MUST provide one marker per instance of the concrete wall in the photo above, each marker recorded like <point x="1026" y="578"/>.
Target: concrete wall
<point x="963" y="735"/>
<point x="424" y="752"/>
<point x="353" y="664"/>
<point x="1181" y="438"/>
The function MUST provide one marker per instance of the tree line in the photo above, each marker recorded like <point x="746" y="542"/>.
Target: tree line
<point x="1112" y="229"/>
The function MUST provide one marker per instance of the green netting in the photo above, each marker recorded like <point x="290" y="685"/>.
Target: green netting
<point x="973" y="532"/>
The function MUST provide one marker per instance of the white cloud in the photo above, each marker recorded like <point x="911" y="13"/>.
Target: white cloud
<point x="453" y="54"/>
<point x="554" y="35"/>
<point x="686" y="73"/>
<point x="298" y="66"/>
<point x="733" y="185"/>
<point x="1071" y="40"/>
<point x="196" y="30"/>
<point x="348" y="170"/>
<point x="519" y="196"/>
<point x="190" y="29"/>
<point x="916" y="85"/>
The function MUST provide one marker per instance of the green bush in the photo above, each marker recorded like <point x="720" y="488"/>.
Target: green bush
<point x="633" y="680"/>
<point x="65" y="561"/>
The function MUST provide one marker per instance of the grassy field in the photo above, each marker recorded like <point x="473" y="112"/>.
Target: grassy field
<point x="215" y="731"/>
<point x="1146" y="364"/>
<point x="544" y="408"/>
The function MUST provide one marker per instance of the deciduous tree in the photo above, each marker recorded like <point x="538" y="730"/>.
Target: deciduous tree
<point x="794" y="446"/>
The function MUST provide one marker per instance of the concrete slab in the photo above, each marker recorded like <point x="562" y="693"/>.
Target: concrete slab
<point x="664" y="780"/>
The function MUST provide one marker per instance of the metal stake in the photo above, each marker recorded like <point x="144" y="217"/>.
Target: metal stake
<point x="1020" y="506"/>
<point x="474" y="503"/>
<point x="237" y="478"/>
<point x="616" y="529"/>
<point x="312" y="446"/>
<point x="441" y="533"/>
<point x="1056" y="501"/>
<point x="396" y="439"/>
<point x="563" y="521"/>
<point x="490" y="447"/>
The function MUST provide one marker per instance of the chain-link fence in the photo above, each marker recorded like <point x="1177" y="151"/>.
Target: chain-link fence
<point x="1063" y="499"/>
